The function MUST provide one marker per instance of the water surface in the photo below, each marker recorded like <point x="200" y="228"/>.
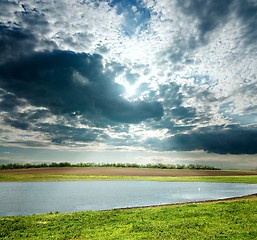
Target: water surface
<point x="25" y="198"/>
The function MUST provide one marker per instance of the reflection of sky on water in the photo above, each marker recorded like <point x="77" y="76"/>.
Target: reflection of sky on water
<point x="39" y="197"/>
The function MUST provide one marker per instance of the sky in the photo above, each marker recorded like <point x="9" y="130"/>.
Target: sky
<point x="150" y="81"/>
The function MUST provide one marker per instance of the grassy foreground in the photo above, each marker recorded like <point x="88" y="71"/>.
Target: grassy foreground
<point x="44" y="177"/>
<point x="221" y="220"/>
<point x="235" y="219"/>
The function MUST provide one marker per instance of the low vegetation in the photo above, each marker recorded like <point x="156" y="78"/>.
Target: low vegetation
<point x="121" y="165"/>
<point x="50" y="177"/>
<point x="220" y="220"/>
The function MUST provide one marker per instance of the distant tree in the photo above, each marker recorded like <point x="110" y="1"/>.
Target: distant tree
<point x="120" y="165"/>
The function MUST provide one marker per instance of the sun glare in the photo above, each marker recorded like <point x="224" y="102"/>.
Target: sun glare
<point x="130" y="89"/>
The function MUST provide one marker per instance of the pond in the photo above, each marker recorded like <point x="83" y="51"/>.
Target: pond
<point x="25" y="198"/>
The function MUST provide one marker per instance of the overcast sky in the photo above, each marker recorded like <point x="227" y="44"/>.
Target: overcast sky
<point x="152" y="81"/>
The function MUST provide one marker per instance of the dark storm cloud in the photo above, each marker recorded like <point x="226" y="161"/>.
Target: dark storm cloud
<point x="250" y="109"/>
<point x="24" y="32"/>
<point x="175" y="97"/>
<point x="209" y="13"/>
<point x="184" y="113"/>
<point x="68" y="83"/>
<point x="215" y="13"/>
<point x="172" y="126"/>
<point x="247" y="12"/>
<point x="17" y="42"/>
<point x="27" y="118"/>
<point x="233" y="139"/>
<point x="60" y="134"/>
<point x="9" y="102"/>
<point x="18" y="123"/>
<point x="21" y="120"/>
<point x="172" y="94"/>
<point x="132" y="112"/>
<point x="33" y="20"/>
<point x="24" y="16"/>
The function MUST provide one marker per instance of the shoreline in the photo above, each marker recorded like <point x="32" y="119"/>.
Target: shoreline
<point x="230" y="199"/>
<point x="245" y="197"/>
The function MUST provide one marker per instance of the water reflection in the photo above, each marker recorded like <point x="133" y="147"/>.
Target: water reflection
<point x="24" y="198"/>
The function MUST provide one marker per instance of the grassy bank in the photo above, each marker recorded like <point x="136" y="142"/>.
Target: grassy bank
<point x="44" y="177"/>
<point x="222" y="220"/>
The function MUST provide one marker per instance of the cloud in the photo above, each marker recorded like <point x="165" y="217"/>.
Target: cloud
<point x="15" y="43"/>
<point x="187" y="106"/>
<point x="148" y="75"/>
<point x="9" y="102"/>
<point x="210" y="14"/>
<point x="33" y="20"/>
<point x="132" y="77"/>
<point x="136" y="15"/>
<point x="216" y="13"/>
<point x="63" y="135"/>
<point x="185" y="113"/>
<point x="67" y="83"/>
<point x="233" y="139"/>
<point x="18" y="123"/>
<point x="40" y="128"/>
<point x="18" y="42"/>
<point x="247" y="12"/>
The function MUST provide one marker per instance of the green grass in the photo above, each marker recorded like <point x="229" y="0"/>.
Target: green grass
<point x="222" y="220"/>
<point x="44" y="177"/>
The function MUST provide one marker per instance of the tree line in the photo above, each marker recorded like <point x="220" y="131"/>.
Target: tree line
<point x="120" y="165"/>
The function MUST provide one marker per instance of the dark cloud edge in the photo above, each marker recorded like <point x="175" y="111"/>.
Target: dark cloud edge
<point x="231" y="139"/>
<point x="68" y="82"/>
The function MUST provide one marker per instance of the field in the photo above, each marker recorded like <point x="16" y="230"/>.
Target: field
<point x="51" y="177"/>
<point x="223" y="219"/>
<point x="136" y="174"/>
<point x="111" y="171"/>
